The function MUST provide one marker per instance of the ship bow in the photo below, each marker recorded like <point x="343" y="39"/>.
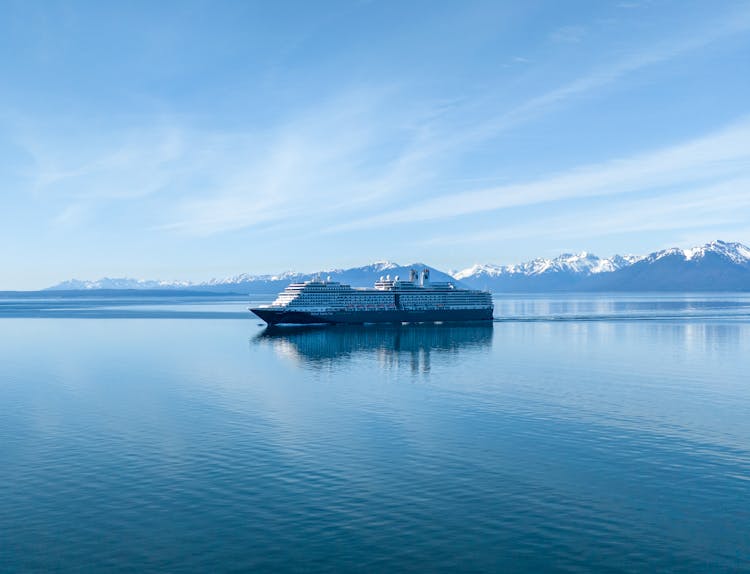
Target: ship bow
<point x="270" y="316"/>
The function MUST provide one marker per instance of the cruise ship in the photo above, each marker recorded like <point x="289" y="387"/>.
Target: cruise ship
<point x="392" y="300"/>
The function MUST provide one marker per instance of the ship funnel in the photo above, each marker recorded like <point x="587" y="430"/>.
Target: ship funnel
<point x="413" y="275"/>
<point x="425" y="277"/>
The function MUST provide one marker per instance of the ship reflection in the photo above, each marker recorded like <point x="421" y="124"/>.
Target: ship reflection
<point x="396" y="346"/>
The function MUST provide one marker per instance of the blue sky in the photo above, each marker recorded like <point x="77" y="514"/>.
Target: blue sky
<point x="188" y="140"/>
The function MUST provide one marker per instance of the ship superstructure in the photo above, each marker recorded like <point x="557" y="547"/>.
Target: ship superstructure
<point x="391" y="300"/>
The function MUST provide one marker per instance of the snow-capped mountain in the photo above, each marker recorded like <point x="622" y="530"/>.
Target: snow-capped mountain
<point x="583" y="263"/>
<point x="245" y="283"/>
<point x="715" y="266"/>
<point x="118" y="283"/>
<point x="718" y="265"/>
<point x="734" y="252"/>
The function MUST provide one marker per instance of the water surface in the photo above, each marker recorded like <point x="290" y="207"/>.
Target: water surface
<point x="575" y="434"/>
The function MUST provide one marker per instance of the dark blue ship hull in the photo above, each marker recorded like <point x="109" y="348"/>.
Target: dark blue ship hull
<point x="285" y="317"/>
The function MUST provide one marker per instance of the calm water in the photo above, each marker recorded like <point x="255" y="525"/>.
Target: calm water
<point x="576" y="434"/>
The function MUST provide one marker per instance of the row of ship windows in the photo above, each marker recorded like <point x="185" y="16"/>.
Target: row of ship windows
<point x="386" y="295"/>
<point x="384" y="300"/>
<point x="385" y="303"/>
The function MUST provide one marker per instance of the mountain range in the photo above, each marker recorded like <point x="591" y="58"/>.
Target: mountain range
<point x="715" y="266"/>
<point x="246" y="283"/>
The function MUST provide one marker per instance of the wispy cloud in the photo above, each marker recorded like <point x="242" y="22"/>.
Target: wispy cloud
<point x="725" y="204"/>
<point x="208" y="181"/>
<point x="315" y="164"/>
<point x="718" y="155"/>
<point x="72" y="215"/>
<point x="353" y="153"/>
<point x="629" y="5"/>
<point x="448" y="142"/>
<point x="568" y="34"/>
<point x="638" y="59"/>
<point x="126" y="164"/>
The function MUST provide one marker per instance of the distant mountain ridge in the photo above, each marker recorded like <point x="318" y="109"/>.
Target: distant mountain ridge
<point x="583" y="263"/>
<point x="245" y="283"/>
<point x="715" y="266"/>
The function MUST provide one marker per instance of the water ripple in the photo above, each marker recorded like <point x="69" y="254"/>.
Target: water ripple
<point x="552" y="446"/>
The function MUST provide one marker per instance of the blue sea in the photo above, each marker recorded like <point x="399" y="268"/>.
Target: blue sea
<point x="576" y="433"/>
